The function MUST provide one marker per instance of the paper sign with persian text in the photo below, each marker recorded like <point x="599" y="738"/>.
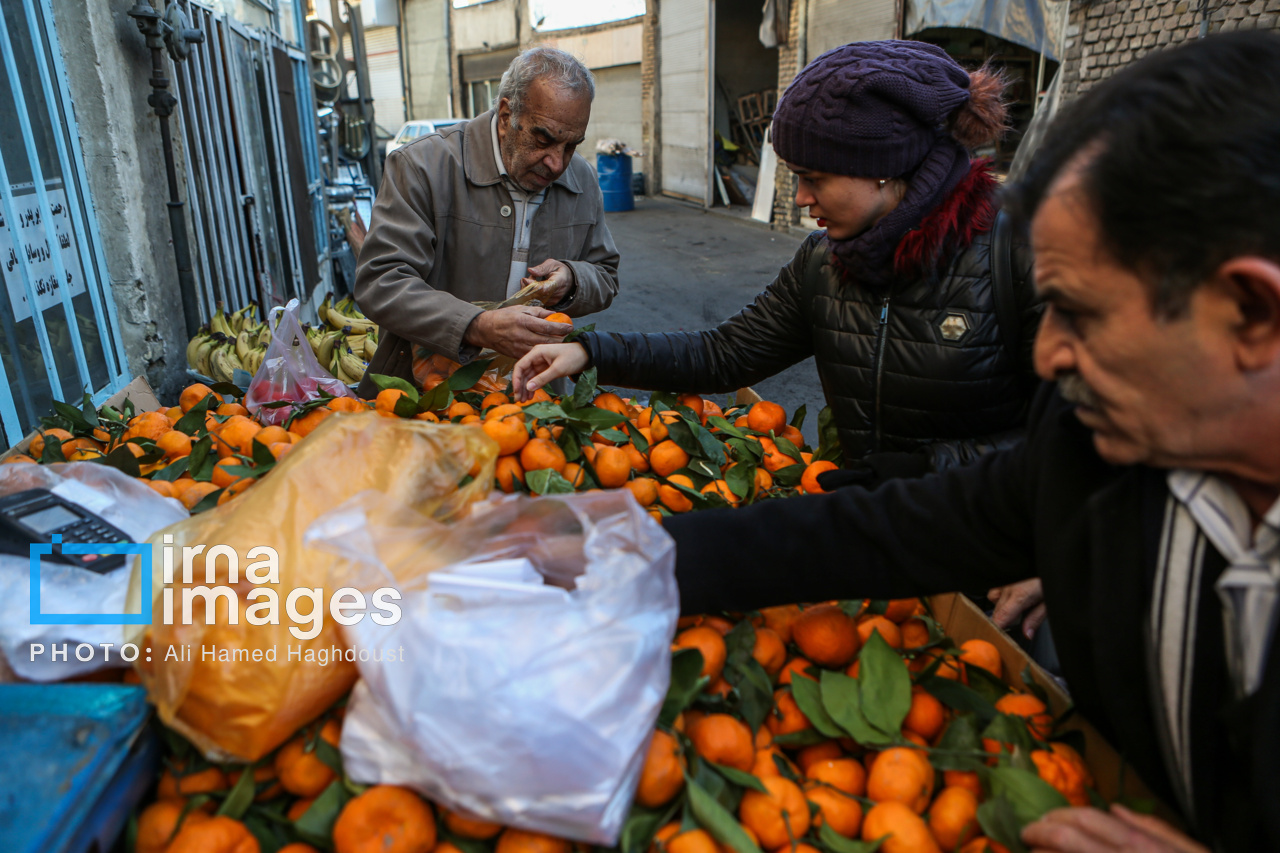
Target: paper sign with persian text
<point x="34" y="239"/>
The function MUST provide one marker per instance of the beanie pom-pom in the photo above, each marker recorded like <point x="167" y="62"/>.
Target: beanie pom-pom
<point x="983" y="118"/>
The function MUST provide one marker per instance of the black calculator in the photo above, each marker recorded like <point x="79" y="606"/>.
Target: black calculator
<point x="35" y="516"/>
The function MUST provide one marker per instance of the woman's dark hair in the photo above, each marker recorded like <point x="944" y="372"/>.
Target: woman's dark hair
<point x="1180" y="161"/>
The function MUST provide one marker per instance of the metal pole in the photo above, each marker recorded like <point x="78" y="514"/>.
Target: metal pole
<point x="162" y="101"/>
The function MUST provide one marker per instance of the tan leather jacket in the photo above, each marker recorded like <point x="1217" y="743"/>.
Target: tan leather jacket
<point x="441" y="236"/>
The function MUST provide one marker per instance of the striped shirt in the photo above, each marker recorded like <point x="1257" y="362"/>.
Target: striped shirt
<point x="526" y="206"/>
<point x="1205" y="512"/>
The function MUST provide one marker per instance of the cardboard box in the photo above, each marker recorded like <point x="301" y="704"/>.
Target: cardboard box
<point x="961" y="620"/>
<point x="139" y="390"/>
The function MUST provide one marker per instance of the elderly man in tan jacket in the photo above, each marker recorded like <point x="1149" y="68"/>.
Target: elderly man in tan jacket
<point x="461" y="216"/>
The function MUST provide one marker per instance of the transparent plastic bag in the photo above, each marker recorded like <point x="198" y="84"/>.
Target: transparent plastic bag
<point x="531" y="704"/>
<point x="124" y="502"/>
<point x="289" y="371"/>
<point x="238" y="691"/>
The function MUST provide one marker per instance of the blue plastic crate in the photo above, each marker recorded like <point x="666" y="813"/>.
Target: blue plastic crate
<point x="75" y="760"/>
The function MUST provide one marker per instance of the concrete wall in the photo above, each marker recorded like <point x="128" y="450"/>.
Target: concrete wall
<point x="487" y="26"/>
<point x="425" y="36"/>
<point x="1104" y="37"/>
<point x="833" y="23"/>
<point x="599" y="48"/>
<point x="616" y="111"/>
<point x="108" y="66"/>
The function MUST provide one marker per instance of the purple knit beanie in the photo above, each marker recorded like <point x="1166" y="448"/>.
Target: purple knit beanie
<point x="870" y="109"/>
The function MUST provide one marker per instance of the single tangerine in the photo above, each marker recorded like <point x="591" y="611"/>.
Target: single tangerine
<point x="953" y="817"/>
<point x="301" y="772"/>
<point x="844" y="774"/>
<point x="667" y="457"/>
<point x="612" y="467"/>
<point x="836" y="809"/>
<point x="826" y="635"/>
<point x="509" y="433"/>
<point x="671" y="497"/>
<point x="927" y="715"/>
<point x="507" y="472"/>
<point x="644" y="489"/>
<point x="901" y="775"/>
<point x="541" y="453"/>
<point x="519" y="841"/>
<point x="809" y="480"/>
<point x="662" y="776"/>
<point x="797" y="666"/>
<point x="723" y="739"/>
<point x="786" y="717"/>
<point x="778" y="815"/>
<point x="982" y="654"/>
<point x="218" y="834"/>
<point x="903" y="830"/>
<point x="468" y="826"/>
<point x="385" y="819"/>
<point x="887" y="630"/>
<point x="710" y="643"/>
<point x="158" y="823"/>
<point x="769" y="651"/>
<point x="767" y="417"/>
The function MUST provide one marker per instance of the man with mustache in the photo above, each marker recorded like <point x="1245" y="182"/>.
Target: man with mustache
<point x="473" y="212"/>
<point x="1147" y="493"/>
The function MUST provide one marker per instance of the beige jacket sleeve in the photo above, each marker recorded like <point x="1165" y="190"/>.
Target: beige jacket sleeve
<point x="396" y="262"/>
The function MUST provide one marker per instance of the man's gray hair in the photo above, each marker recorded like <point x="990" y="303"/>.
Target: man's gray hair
<point x="557" y="67"/>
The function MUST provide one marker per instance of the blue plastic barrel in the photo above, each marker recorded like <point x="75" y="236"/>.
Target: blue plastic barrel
<point x="615" y="182"/>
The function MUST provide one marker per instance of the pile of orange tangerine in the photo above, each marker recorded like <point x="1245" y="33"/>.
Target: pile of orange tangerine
<point x="666" y="473"/>
<point x="784" y="783"/>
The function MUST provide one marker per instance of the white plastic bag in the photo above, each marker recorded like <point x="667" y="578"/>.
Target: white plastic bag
<point x="534" y="707"/>
<point x="289" y="371"/>
<point x="124" y="502"/>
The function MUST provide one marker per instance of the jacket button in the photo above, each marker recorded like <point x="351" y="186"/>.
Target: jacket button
<point x="506" y="210"/>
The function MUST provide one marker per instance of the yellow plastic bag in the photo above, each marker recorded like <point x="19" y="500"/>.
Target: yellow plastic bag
<point x="238" y="691"/>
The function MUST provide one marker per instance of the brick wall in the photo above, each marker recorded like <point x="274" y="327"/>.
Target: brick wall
<point x="785" y="212"/>
<point x="649" y="127"/>
<point x="1103" y="37"/>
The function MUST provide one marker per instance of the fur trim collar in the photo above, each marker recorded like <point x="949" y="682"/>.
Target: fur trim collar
<point x="969" y="210"/>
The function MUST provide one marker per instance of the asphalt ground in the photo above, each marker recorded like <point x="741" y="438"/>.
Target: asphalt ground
<point x="684" y="269"/>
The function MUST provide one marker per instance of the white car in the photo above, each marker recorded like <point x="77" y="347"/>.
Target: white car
<point x="417" y="129"/>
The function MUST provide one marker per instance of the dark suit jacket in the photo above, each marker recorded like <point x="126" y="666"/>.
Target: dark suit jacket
<point x="1049" y="507"/>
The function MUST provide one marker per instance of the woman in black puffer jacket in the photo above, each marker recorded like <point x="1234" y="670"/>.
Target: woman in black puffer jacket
<point x="894" y="298"/>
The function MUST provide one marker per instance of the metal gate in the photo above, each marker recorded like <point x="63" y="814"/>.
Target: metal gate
<point x="59" y="336"/>
<point x="252" y="164"/>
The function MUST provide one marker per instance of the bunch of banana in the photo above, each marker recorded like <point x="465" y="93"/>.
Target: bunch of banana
<point x="229" y="342"/>
<point x="223" y="361"/>
<point x="345" y="315"/>
<point x="346" y="341"/>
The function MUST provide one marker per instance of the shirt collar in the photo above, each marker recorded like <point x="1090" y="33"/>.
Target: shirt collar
<point x="1198" y="490"/>
<point x="497" y="150"/>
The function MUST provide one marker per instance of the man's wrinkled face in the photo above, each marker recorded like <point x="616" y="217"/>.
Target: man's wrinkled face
<point x="1145" y="384"/>
<point x="538" y="145"/>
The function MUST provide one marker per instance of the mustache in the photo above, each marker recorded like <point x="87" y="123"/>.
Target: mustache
<point x="1075" y="390"/>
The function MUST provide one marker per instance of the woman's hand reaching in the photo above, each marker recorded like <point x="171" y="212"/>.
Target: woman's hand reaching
<point x="544" y="363"/>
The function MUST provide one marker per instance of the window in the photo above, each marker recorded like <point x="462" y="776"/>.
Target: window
<point x="58" y="333"/>
<point x="483" y="93"/>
